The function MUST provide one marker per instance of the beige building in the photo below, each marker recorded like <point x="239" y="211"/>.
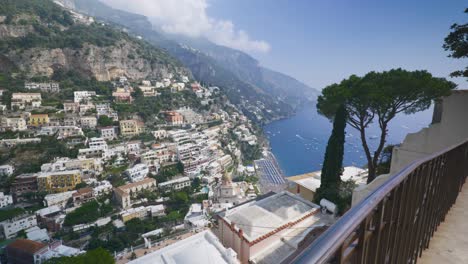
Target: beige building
<point x="307" y="184"/>
<point x="71" y="107"/>
<point x="130" y="128"/>
<point x="57" y="182"/>
<point x="125" y="193"/>
<point x="13" y="124"/>
<point x="269" y="230"/>
<point x="88" y="121"/>
<point x="23" y="100"/>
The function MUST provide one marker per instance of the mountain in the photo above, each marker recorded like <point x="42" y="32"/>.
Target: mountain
<point x="256" y="89"/>
<point x="249" y="70"/>
<point x="38" y="38"/>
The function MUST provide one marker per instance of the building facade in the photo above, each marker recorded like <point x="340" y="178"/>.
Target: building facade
<point x="60" y="181"/>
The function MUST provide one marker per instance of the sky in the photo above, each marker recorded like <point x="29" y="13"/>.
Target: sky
<point x="319" y="42"/>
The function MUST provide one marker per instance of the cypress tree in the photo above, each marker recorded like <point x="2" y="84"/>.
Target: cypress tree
<point x="333" y="161"/>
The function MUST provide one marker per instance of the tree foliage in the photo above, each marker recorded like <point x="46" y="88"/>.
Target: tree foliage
<point x="457" y="44"/>
<point x="380" y="96"/>
<point x="104" y="121"/>
<point x="87" y="213"/>
<point x="333" y="161"/>
<point x="383" y="167"/>
<point x="94" y="256"/>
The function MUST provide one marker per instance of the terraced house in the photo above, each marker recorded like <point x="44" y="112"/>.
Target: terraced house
<point x="129" y="128"/>
<point x="37" y="120"/>
<point x="60" y="181"/>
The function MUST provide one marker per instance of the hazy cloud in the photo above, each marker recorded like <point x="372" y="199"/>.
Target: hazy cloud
<point x="190" y="18"/>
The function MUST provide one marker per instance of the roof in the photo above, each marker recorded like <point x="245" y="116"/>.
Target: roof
<point x="273" y="211"/>
<point x="38" y="235"/>
<point x="27" y="245"/>
<point x="200" y="248"/>
<point x="82" y="191"/>
<point x="311" y="180"/>
<point x="178" y="180"/>
<point x="138" y="183"/>
<point x="48" y="210"/>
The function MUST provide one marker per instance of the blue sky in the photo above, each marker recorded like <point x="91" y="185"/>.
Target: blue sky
<point x="319" y="41"/>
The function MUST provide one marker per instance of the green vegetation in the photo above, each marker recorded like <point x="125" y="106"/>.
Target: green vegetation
<point x="249" y="179"/>
<point x="381" y="96"/>
<point x="94" y="256"/>
<point x="147" y="107"/>
<point x="333" y="163"/>
<point x="87" y="213"/>
<point x="105" y="121"/>
<point x="10" y="213"/>
<point x="457" y="44"/>
<point x="249" y="152"/>
<point x="383" y="167"/>
<point x="145" y="137"/>
<point x="167" y="172"/>
<point x="46" y="10"/>
<point x="30" y="157"/>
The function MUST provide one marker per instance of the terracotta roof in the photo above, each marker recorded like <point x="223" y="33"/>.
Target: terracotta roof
<point x="27" y="245"/>
<point x="83" y="191"/>
<point x="133" y="184"/>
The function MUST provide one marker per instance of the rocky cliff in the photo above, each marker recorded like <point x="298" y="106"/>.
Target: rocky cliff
<point x="40" y="45"/>
<point x="103" y="63"/>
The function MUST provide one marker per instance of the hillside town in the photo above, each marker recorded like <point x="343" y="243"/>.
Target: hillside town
<point x="163" y="179"/>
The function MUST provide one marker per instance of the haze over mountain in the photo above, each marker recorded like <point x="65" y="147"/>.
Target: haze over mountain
<point x="211" y="63"/>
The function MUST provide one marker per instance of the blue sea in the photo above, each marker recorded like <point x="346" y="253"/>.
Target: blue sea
<point x="299" y="142"/>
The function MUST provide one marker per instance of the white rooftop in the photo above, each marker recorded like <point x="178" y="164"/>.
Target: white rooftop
<point x="201" y="248"/>
<point x="37" y="234"/>
<point x="352" y="173"/>
<point x="257" y="217"/>
<point x="48" y="210"/>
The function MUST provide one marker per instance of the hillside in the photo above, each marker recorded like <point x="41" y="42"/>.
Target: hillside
<point x="38" y="38"/>
<point x="237" y="73"/>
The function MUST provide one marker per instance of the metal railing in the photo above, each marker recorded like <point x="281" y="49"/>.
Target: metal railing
<point x="395" y="223"/>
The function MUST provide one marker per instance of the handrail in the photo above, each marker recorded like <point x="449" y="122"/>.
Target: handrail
<point x="326" y="245"/>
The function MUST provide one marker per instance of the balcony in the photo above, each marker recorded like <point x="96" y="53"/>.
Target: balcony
<point x="396" y="222"/>
<point x="417" y="214"/>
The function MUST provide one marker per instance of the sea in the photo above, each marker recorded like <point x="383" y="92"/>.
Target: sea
<point x="299" y="142"/>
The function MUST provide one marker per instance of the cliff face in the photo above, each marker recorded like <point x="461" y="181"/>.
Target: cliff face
<point x="38" y="40"/>
<point x="103" y="63"/>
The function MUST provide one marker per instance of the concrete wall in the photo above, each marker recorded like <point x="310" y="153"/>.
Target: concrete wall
<point x="451" y="127"/>
<point x="302" y="191"/>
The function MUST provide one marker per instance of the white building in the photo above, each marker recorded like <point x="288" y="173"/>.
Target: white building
<point x="51" y="87"/>
<point x="6" y="170"/>
<point x="175" y="184"/>
<point x="5" y="200"/>
<point x="108" y="133"/>
<point x="159" y="134"/>
<point x="196" y="217"/>
<point x="137" y="172"/>
<point x="196" y="249"/>
<point x="61" y="131"/>
<point x="59" y="199"/>
<point x="98" y="143"/>
<point x="80" y="96"/>
<point x="101" y="188"/>
<point x="11" y="227"/>
<point x="294" y="220"/>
